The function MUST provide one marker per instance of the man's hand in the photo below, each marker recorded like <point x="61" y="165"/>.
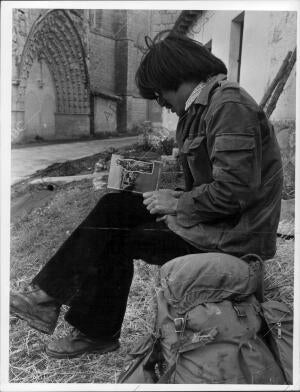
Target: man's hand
<point x="163" y="201"/>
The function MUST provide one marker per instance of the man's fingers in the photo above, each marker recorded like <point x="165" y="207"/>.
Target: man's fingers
<point x="146" y="195"/>
<point x="177" y="193"/>
<point x="151" y="205"/>
<point x="148" y="201"/>
<point x="161" y="218"/>
<point x="154" y="211"/>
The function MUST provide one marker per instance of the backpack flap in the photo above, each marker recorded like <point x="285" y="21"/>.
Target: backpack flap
<point x="279" y="334"/>
<point x="195" y="279"/>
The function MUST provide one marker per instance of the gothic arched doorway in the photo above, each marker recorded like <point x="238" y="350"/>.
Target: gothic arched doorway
<point x="54" y="85"/>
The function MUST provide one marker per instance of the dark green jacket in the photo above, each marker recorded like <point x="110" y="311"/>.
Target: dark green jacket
<point x="233" y="173"/>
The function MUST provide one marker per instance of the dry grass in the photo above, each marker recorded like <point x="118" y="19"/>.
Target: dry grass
<point x="30" y="364"/>
<point x="279" y="273"/>
<point x="36" y="235"/>
<point x="34" y="238"/>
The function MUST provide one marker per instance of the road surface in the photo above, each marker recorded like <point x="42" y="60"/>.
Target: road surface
<point x="27" y="160"/>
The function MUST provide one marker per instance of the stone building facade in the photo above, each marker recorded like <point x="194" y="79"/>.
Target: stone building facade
<point x="73" y="71"/>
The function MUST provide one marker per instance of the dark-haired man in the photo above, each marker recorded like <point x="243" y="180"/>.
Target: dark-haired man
<point x="231" y="203"/>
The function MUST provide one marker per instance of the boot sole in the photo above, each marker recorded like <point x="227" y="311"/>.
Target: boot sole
<point x="58" y="355"/>
<point x="35" y="323"/>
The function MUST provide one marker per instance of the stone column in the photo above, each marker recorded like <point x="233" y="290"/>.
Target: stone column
<point x="121" y="71"/>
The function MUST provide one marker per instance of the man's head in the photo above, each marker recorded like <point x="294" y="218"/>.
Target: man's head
<point x="172" y="67"/>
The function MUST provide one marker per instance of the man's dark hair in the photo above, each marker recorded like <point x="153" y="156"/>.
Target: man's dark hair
<point x="172" y="60"/>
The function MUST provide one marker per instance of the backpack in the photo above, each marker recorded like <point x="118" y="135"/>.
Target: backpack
<point x="208" y="327"/>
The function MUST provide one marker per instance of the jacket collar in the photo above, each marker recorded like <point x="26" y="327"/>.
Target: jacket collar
<point x="203" y="97"/>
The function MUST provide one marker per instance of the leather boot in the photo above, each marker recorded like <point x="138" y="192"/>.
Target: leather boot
<point x="37" y="308"/>
<point x="77" y="343"/>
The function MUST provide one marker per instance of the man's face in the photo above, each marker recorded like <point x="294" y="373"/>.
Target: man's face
<point x="175" y="100"/>
<point x="172" y="100"/>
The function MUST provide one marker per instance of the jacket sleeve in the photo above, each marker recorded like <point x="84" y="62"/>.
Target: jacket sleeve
<point x="233" y="134"/>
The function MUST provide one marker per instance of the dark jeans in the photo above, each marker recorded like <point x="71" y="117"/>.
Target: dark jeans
<point x="93" y="269"/>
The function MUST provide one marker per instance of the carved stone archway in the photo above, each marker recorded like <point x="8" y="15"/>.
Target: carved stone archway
<point x="54" y="39"/>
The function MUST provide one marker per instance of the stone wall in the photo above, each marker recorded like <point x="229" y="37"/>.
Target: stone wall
<point x="105" y="115"/>
<point x="163" y="20"/>
<point x="285" y="132"/>
<point x="137" y="109"/>
<point x="267" y="37"/>
<point x="70" y="126"/>
<point x="102" y="63"/>
<point x="281" y="38"/>
<point x="22" y="21"/>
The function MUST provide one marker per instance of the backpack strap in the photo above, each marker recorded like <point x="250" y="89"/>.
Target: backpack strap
<point x="245" y="345"/>
<point x="253" y="260"/>
<point x="166" y="377"/>
<point x="243" y="365"/>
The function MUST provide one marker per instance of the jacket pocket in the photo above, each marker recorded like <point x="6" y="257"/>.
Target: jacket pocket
<point x="232" y="142"/>
<point x="198" y="160"/>
<point x="235" y="159"/>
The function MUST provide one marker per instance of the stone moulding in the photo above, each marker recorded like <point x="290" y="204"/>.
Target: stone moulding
<point x="106" y="94"/>
<point x="54" y="39"/>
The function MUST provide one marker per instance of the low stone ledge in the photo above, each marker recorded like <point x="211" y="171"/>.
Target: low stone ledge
<point x="66" y="179"/>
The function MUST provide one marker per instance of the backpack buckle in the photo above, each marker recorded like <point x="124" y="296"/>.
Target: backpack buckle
<point x="179" y="324"/>
<point x="279" y="336"/>
<point x="239" y="311"/>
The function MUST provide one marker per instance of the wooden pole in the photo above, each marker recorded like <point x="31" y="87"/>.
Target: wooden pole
<point x="275" y="81"/>
<point x="280" y="86"/>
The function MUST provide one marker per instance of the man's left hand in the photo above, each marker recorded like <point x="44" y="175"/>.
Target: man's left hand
<point x="163" y="201"/>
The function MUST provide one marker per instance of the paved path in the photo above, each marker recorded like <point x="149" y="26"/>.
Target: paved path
<point x="27" y="160"/>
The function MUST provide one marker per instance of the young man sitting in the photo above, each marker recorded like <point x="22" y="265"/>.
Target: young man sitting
<point x="231" y="204"/>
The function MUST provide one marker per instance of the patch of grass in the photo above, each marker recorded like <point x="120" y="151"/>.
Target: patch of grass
<point x="279" y="273"/>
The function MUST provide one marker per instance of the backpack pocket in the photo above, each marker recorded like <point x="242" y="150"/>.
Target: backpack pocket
<point x="279" y="334"/>
<point x="140" y="362"/>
